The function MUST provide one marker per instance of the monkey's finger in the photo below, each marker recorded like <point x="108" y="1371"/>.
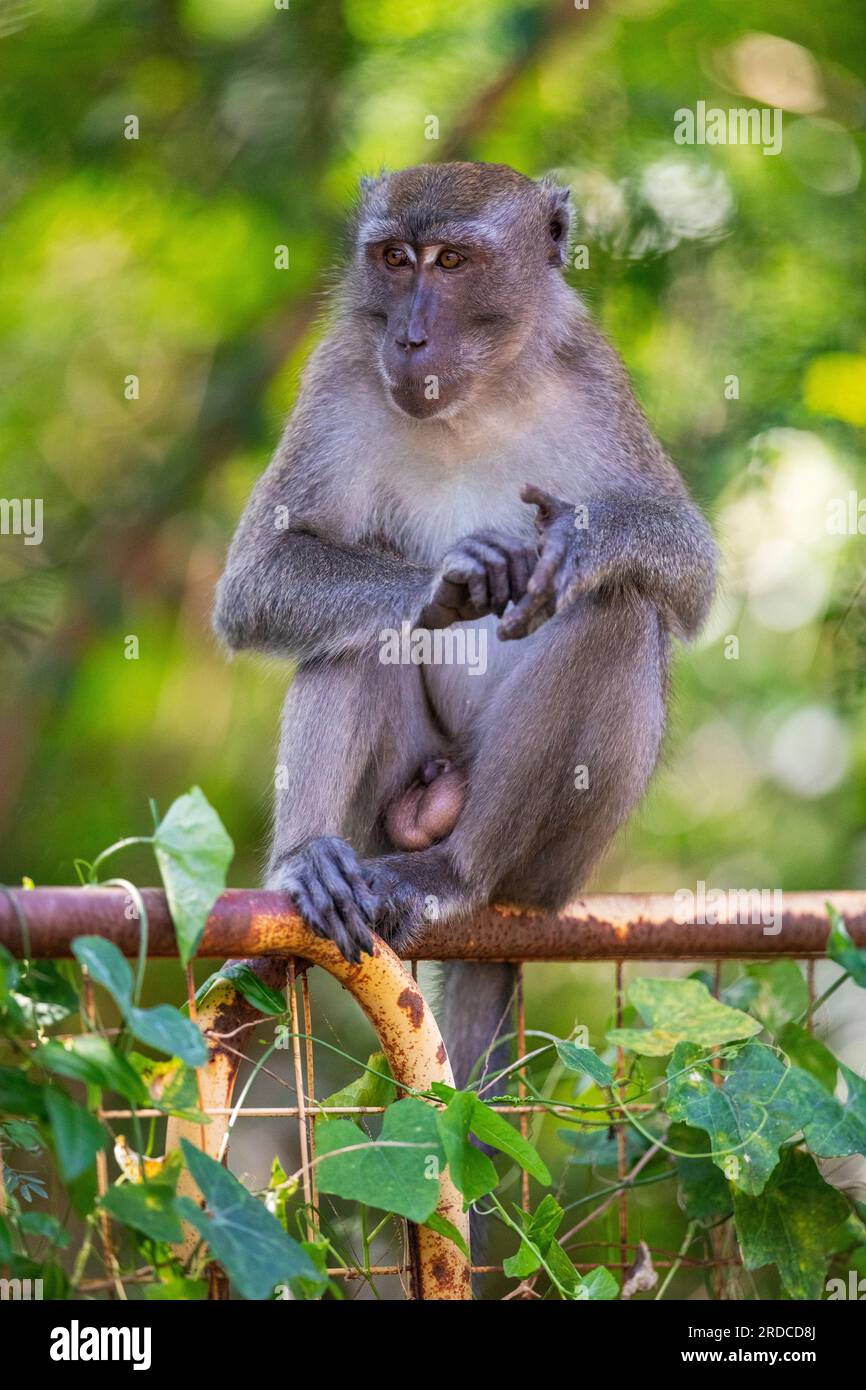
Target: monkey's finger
<point x="444" y="605"/>
<point x="521" y="562"/>
<point x="543" y="577"/>
<point x="356" y="889"/>
<point x="472" y="573"/>
<point x="517" y="620"/>
<point x="547" y="506"/>
<point x="494" y="559"/>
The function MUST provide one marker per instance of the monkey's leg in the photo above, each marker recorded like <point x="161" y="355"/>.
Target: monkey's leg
<point x="558" y="758"/>
<point x="353" y="733"/>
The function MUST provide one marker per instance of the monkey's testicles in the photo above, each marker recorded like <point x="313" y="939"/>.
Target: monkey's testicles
<point x="429" y="809"/>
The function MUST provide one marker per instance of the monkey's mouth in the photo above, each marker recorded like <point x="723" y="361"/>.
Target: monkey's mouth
<point x="425" y="396"/>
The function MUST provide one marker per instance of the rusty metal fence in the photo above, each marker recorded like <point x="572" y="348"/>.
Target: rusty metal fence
<point x="617" y="929"/>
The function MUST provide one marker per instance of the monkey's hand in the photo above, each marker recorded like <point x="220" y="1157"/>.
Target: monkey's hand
<point x="553" y="584"/>
<point x="482" y="574"/>
<point x="333" y="893"/>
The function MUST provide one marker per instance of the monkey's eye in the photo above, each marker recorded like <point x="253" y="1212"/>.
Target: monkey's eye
<point x="450" y="260"/>
<point x="395" y="256"/>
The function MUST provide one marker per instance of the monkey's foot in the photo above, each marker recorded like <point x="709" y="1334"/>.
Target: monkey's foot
<point x="332" y="892"/>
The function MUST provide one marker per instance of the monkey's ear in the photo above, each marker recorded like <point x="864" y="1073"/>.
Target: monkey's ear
<point x="371" y="187"/>
<point x="559" y="211"/>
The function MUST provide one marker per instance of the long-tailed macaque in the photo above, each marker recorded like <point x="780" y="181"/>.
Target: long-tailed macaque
<point x="465" y="453"/>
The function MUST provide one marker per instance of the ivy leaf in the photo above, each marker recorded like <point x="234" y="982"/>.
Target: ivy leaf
<point x="40" y="1223"/>
<point x="601" y="1284"/>
<point x="680" y="1011"/>
<point x="760" y="1104"/>
<point x="373" y="1087"/>
<point x="249" y="1243"/>
<point x="43" y="995"/>
<point x="782" y="993"/>
<point x="598" y="1148"/>
<point x="92" y="1060"/>
<point x="471" y="1171"/>
<point x="492" y="1128"/>
<point x="193" y="850"/>
<point x="403" y="1179"/>
<point x="106" y="966"/>
<point x="808" y="1052"/>
<point x="78" y="1135"/>
<point x="837" y="1129"/>
<point x="704" y="1193"/>
<point x="170" y="1086"/>
<point x="165" y="1028"/>
<point x="787" y="1224"/>
<point x="148" y="1207"/>
<point x="443" y="1227"/>
<point x="584" y="1059"/>
<point x="18" y="1096"/>
<point x="246" y="982"/>
<point x="842" y="949"/>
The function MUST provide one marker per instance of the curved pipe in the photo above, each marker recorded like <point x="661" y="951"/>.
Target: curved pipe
<point x="410" y="1040"/>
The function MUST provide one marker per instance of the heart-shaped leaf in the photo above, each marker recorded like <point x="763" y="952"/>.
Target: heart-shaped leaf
<point x="193" y="850"/>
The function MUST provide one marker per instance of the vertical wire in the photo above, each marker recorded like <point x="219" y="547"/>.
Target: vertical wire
<point x="302" y="1108"/>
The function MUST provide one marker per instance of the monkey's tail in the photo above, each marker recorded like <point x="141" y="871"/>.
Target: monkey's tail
<point x="477" y="1009"/>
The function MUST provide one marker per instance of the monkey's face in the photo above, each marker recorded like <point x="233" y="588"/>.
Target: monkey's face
<point x="453" y="262"/>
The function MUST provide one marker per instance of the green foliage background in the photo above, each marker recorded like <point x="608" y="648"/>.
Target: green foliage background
<point x="155" y="257"/>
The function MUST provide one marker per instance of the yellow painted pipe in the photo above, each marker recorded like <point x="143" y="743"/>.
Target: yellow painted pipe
<point x="411" y="1041"/>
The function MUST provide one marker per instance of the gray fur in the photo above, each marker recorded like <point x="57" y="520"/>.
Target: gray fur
<point x="379" y="504"/>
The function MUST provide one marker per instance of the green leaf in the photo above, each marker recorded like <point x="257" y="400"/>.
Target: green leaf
<point x="18" y="1096"/>
<point x="680" y="1011"/>
<point x="166" y="1029"/>
<point x="249" y="1243"/>
<point x="782" y="993"/>
<point x="704" y="1192"/>
<point x="92" y="1060"/>
<point x="255" y="991"/>
<point x="598" y="1148"/>
<point x="373" y="1087"/>
<point x="492" y="1128"/>
<point x="193" y="850"/>
<point x="584" y="1059"/>
<point x="82" y="1191"/>
<point x="5" y="1241"/>
<point x="540" y="1228"/>
<point x="21" y="1135"/>
<point x="808" y="1052"/>
<point x="40" y="1223"/>
<point x="44" y="995"/>
<point x="10" y="973"/>
<point x="759" y="1105"/>
<point x="106" y="966"/>
<point x="471" y="1171"/>
<point x="148" y="1207"/>
<point x="170" y="1086"/>
<point x="177" y="1290"/>
<point x="788" y="1223"/>
<point x="601" y="1284"/>
<point x="78" y="1136"/>
<point x="837" y="1128"/>
<point x="443" y="1227"/>
<point x="842" y="950"/>
<point x="402" y="1179"/>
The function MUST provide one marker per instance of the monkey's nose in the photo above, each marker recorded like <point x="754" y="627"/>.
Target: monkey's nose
<point x="410" y="342"/>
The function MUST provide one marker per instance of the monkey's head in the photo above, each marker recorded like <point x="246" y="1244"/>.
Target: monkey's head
<point x="452" y="276"/>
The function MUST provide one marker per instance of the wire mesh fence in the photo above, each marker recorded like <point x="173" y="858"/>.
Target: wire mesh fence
<point x="618" y="929"/>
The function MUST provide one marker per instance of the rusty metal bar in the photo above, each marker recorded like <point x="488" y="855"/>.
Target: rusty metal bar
<point x="625" y="926"/>
<point x="411" y="1041"/>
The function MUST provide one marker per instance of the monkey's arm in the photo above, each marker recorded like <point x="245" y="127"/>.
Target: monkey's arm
<point x="296" y="593"/>
<point x="656" y="543"/>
